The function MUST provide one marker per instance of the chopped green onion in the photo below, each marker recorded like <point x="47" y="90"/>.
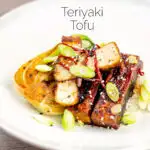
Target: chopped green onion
<point x="116" y="109"/>
<point x="43" y="68"/>
<point x="144" y="94"/>
<point x="68" y="120"/>
<point x="43" y="120"/>
<point x="50" y="59"/>
<point x="82" y="71"/>
<point x="55" y="52"/>
<point x="66" y="50"/>
<point x="112" y="91"/>
<point x="132" y="60"/>
<point x="129" y="118"/>
<point x="146" y="85"/>
<point x="87" y="43"/>
<point x="80" y="123"/>
<point x="142" y="105"/>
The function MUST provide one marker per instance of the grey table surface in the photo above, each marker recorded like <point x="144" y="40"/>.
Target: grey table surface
<point x="7" y="142"/>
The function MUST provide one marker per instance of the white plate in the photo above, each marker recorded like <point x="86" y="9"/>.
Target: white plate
<point x="38" y="26"/>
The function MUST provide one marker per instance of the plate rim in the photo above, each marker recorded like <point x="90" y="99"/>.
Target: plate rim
<point x="3" y="124"/>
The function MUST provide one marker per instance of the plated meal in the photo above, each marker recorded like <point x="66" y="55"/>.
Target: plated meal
<point x="86" y="83"/>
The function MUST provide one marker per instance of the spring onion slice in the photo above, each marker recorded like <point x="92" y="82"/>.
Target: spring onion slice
<point x="55" y="52"/>
<point x="112" y="91"/>
<point x="80" y="123"/>
<point x="43" y="120"/>
<point x="50" y="59"/>
<point x="87" y="43"/>
<point x="142" y="105"/>
<point x="66" y="50"/>
<point x="129" y="118"/>
<point x="82" y="71"/>
<point x="146" y="85"/>
<point x="43" y="68"/>
<point x="68" y="120"/>
<point x="145" y="95"/>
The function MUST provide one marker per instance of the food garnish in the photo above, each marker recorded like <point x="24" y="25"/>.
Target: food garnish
<point x="86" y="42"/>
<point x="112" y="91"/>
<point x="50" y="59"/>
<point x="43" y="68"/>
<point x="87" y="83"/>
<point x="82" y="71"/>
<point x="66" y="50"/>
<point x="146" y="85"/>
<point x="129" y="118"/>
<point x="80" y="123"/>
<point x="43" y="120"/>
<point x="68" y="120"/>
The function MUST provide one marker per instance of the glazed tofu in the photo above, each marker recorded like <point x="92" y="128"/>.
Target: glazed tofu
<point x="66" y="93"/>
<point x="62" y="74"/>
<point x="83" y="110"/>
<point x="105" y="112"/>
<point x="108" y="56"/>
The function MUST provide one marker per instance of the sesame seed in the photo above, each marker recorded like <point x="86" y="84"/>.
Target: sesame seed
<point x="103" y="96"/>
<point x="102" y="118"/>
<point x="118" y="77"/>
<point x="82" y="97"/>
<point x="101" y="93"/>
<point x="90" y="92"/>
<point x="102" y="81"/>
<point x="90" y="96"/>
<point x="112" y="117"/>
<point x="121" y="77"/>
<point x="104" y="101"/>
